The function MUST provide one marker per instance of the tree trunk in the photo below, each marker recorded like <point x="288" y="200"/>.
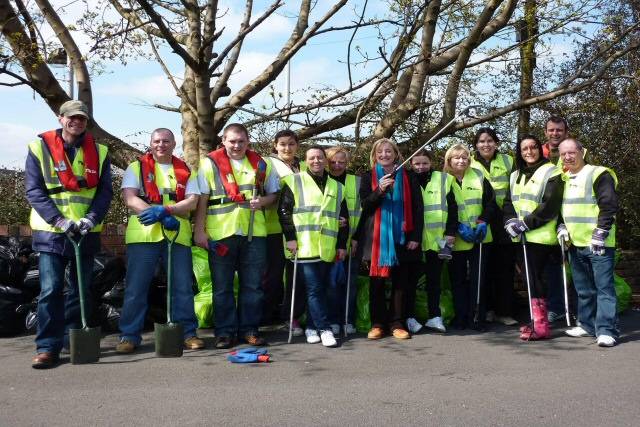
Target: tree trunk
<point x="528" y="30"/>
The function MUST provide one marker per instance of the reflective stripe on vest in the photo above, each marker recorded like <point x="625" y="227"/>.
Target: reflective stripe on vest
<point x="580" y="208"/>
<point x="71" y="204"/>
<point x="469" y="200"/>
<point x="434" y="196"/>
<point x="229" y="218"/>
<point x="498" y="174"/>
<point x="315" y="215"/>
<point x="140" y="233"/>
<point x="526" y="197"/>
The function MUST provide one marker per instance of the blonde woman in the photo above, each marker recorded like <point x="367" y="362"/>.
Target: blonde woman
<point x="338" y="160"/>
<point x="476" y="207"/>
<point x="389" y="234"/>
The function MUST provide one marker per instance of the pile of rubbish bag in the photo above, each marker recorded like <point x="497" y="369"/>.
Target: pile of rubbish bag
<point x="20" y="287"/>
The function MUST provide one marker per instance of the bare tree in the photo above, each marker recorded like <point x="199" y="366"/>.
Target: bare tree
<point x="429" y="58"/>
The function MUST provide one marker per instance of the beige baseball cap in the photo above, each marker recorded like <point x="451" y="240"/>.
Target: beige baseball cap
<point x="74" y="108"/>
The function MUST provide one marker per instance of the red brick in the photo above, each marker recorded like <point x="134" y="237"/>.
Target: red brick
<point x="4" y="230"/>
<point x="25" y="231"/>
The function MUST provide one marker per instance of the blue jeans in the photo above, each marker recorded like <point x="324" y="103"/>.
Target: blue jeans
<point x="249" y="260"/>
<point x="141" y="263"/>
<point x="337" y="290"/>
<point x="593" y="279"/>
<point x="316" y="279"/>
<point x="59" y="308"/>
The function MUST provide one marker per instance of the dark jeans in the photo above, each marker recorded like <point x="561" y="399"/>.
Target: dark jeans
<point x="248" y="259"/>
<point x="499" y="277"/>
<point x="272" y="282"/>
<point x="593" y="278"/>
<point x="315" y="276"/>
<point x="395" y="313"/>
<point x="463" y="271"/>
<point x="142" y="259"/>
<point x="337" y="290"/>
<point x="433" y="274"/>
<point x="59" y="308"/>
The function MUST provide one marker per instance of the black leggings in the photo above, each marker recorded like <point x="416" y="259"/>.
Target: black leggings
<point x="432" y="269"/>
<point x="538" y="257"/>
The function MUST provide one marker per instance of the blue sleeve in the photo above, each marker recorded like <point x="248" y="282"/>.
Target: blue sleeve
<point x="36" y="191"/>
<point x="104" y="194"/>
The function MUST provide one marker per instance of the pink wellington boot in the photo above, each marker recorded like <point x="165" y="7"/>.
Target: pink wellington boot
<point x="541" y="329"/>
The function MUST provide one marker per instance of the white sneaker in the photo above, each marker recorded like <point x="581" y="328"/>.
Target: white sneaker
<point x="436" y="323"/>
<point x="328" y="340"/>
<point x="490" y="317"/>
<point x="312" y="336"/>
<point x="506" y="320"/>
<point x="577" y="332"/>
<point x="350" y="329"/>
<point x="606" y="341"/>
<point x="413" y="325"/>
<point x="335" y="329"/>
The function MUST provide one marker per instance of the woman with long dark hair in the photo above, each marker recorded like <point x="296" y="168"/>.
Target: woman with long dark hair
<point x="531" y="209"/>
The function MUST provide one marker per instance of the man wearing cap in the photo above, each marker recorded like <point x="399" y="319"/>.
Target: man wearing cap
<point x="160" y="191"/>
<point x="68" y="184"/>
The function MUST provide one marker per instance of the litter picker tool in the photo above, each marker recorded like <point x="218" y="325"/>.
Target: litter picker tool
<point x="528" y="280"/>
<point x="258" y="185"/>
<point x="476" y="313"/>
<point x="564" y="281"/>
<point x="169" y="336"/>
<point x="293" y="295"/>
<point x="84" y="344"/>
<point x="346" y="303"/>
<point x="464" y="113"/>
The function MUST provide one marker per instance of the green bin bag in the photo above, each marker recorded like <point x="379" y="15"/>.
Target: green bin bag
<point x="203" y="300"/>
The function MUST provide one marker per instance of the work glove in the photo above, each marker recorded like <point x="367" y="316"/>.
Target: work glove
<point x="170" y="223"/>
<point x="153" y="214"/>
<point x="85" y="225"/>
<point x="466" y="233"/>
<point x="515" y="227"/>
<point x="563" y="236"/>
<point x="66" y="225"/>
<point x="480" y="232"/>
<point x="446" y="250"/>
<point x="597" y="241"/>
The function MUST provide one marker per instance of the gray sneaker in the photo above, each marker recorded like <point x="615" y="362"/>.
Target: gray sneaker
<point x="436" y="323"/>
<point x="413" y="325"/>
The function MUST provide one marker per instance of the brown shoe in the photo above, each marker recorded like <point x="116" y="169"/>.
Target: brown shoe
<point x="44" y="360"/>
<point x="375" y="333"/>
<point x="254" y="340"/>
<point x="401" y="334"/>
<point x="125" y="347"/>
<point x="223" y="342"/>
<point x="193" y="343"/>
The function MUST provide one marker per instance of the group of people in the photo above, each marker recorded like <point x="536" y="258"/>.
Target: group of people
<point x="297" y="232"/>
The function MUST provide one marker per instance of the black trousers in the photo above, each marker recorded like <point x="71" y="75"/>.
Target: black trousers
<point x="431" y="267"/>
<point x="272" y="281"/>
<point x="538" y="256"/>
<point x="501" y="260"/>
<point x="466" y="278"/>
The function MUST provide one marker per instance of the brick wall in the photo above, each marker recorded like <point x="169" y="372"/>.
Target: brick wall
<point x="112" y="236"/>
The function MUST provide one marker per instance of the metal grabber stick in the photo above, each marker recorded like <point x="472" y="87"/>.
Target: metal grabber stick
<point x="293" y="295"/>
<point x="526" y="272"/>
<point x="346" y="304"/>
<point x="564" y="282"/>
<point x="463" y="113"/>
<point x="476" y="316"/>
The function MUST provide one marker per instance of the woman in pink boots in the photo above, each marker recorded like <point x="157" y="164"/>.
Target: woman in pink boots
<point x="531" y="210"/>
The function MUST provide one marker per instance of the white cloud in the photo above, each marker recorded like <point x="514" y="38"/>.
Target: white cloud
<point x="14" y="146"/>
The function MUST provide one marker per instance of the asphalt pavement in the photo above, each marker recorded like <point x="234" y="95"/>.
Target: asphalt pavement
<point x="458" y="379"/>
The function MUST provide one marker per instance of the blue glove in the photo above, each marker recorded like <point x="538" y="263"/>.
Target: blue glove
<point x="153" y="214"/>
<point x="170" y="223"/>
<point x="466" y="233"/>
<point x="480" y="232"/>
